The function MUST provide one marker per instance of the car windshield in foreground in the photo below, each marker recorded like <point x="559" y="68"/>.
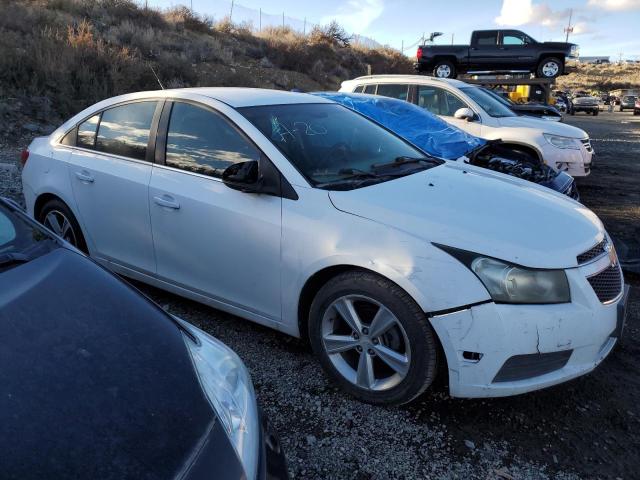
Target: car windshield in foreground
<point x="488" y="103"/>
<point x="336" y="148"/>
<point x="20" y="241"/>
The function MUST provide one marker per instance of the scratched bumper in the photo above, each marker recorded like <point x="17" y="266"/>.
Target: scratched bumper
<point x="499" y="332"/>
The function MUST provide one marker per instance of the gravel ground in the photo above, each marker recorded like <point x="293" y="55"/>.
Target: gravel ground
<point x="587" y="428"/>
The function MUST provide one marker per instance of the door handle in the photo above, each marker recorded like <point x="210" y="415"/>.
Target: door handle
<point x="167" y="202"/>
<point x="84" y="176"/>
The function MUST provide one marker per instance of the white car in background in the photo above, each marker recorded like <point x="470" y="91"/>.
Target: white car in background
<point x="297" y="213"/>
<point x="470" y="108"/>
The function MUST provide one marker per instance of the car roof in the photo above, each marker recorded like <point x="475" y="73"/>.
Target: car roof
<point x="399" y="78"/>
<point x="233" y="96"/>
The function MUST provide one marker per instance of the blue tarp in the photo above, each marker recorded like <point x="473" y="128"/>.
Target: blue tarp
<point x="417" y="125"/>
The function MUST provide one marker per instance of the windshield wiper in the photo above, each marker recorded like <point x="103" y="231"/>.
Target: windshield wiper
<point x="402" y="161"/>
<point x="11" y="258"/>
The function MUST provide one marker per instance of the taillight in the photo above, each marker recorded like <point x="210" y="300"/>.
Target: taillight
<point x="419" y="53"/>
<point x="24" y="156"/>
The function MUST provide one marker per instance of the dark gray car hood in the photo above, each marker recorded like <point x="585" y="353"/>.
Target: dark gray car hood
<point x="95" y="381"/>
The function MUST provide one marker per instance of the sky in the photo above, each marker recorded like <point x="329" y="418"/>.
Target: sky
<point x="600" y="27"/>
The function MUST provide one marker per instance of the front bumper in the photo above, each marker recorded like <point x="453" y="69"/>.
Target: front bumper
<point x="576" y="162"/>
<point x="585" y="108"/>
<point x="496" y="350"/>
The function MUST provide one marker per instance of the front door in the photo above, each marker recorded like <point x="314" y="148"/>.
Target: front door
<point x="109" y="172"/>
<point x="209" y="238"/>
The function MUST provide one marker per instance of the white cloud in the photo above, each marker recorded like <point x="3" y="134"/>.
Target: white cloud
<point x="615" y="5"/>
<point x="357" y="15"/>
<point x="516" y="13"/>
<point x="524" y="12"/>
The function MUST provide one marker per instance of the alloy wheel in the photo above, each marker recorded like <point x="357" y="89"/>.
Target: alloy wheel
<point x="443" y="71"/>
<point x="61" y="226"/>
<point x="550" y="69"/>
<point x="366" y="343"/>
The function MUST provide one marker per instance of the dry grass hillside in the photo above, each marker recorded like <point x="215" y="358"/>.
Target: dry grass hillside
<point x="602" y="77"/>
<point x="59" y="56"/>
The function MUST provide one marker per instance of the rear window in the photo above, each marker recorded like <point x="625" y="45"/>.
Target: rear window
<point x="370" y="89"/>
<point x="393" y="90"/>
<point x="124" y="130"/>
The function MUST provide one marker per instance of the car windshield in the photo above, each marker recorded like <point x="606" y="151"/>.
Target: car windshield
<point x="20" y="241"/>
<point x="336" y="148"/>
<point x="488" y="103"/>
<point x="504" y="100"/>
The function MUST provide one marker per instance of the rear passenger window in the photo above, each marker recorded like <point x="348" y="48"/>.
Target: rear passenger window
<point x="87" y="132"/>
<point x="394" y="91"/>
<point x="359" y="89"/>
<point x="204" y="142"/>
<point x="125" y="130"/>
<point x="370" y="89"/>
<point x="487" y="38"/>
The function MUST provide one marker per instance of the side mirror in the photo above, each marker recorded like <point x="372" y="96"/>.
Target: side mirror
<point x="243" y="176"/>
<point x="465" y="113"/>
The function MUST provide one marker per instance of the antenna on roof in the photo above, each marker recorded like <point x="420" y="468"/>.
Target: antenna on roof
<point x="155" y="75"/>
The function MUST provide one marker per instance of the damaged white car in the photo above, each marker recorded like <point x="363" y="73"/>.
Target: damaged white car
<point x="297" y="213"/>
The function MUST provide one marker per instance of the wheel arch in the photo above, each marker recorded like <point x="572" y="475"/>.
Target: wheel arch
<point x="318" y="279"/>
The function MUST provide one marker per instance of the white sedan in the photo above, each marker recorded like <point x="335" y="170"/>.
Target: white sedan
<point x="294" y="212"/>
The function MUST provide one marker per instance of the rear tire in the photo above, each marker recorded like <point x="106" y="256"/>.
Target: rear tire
<point x="373" y="339"/>
<point x="595" y="113"/>
<point x="57" y="217"/>
<point x="549" y="67"/>
<point x="444" y="69"/>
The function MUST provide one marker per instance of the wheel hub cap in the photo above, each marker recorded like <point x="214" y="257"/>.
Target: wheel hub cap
<point x="443" y="71"/>
<point x="550" y="69"/>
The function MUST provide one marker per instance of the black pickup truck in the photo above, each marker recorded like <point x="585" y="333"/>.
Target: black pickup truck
<point x="497" y="51"/>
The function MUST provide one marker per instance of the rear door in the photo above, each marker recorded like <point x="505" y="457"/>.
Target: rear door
<point x="109" y="171"/>
<point x="484" y="52"/>
<point x="209" y="238"/>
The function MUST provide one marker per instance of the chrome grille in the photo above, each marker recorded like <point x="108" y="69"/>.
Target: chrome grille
<point x="593" y="252"/>
<point x="587" y="144"/>
<point x="607" y="284"/>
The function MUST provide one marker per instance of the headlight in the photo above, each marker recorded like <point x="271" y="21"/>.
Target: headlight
<point x="562" y="142"/>
<point x="508" y="283"/>
<point x="227" y="385"/>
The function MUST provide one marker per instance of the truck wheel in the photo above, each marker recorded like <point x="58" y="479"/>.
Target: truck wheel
<point x="549" y="68"/>
<point x="444" y="69"/>
<point x="595" y="112"/>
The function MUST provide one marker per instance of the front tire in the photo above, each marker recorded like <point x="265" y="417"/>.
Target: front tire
<point x="444" y="69"/>
<point x="550" y="68"/>
<point x="373" y="339"/>
<point x="57" y="217"/>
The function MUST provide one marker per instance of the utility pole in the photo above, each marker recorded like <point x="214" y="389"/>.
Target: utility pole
<point x="304" y="28"/>
<point x="569" y="28"/>
<point x="260" y="21"/>
<point x="452" y="38"/>
<point x="402" y="48"/>
<point x="283" y="20"/>
<point x="231" y="12"/>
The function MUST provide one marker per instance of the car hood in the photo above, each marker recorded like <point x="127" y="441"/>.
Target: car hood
<point x="555" y="128"/>
<point x="481" y="211"/>
<point x="96" y="378"/>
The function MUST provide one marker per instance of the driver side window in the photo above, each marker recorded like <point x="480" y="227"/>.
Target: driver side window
<point x="201" y="141"/>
